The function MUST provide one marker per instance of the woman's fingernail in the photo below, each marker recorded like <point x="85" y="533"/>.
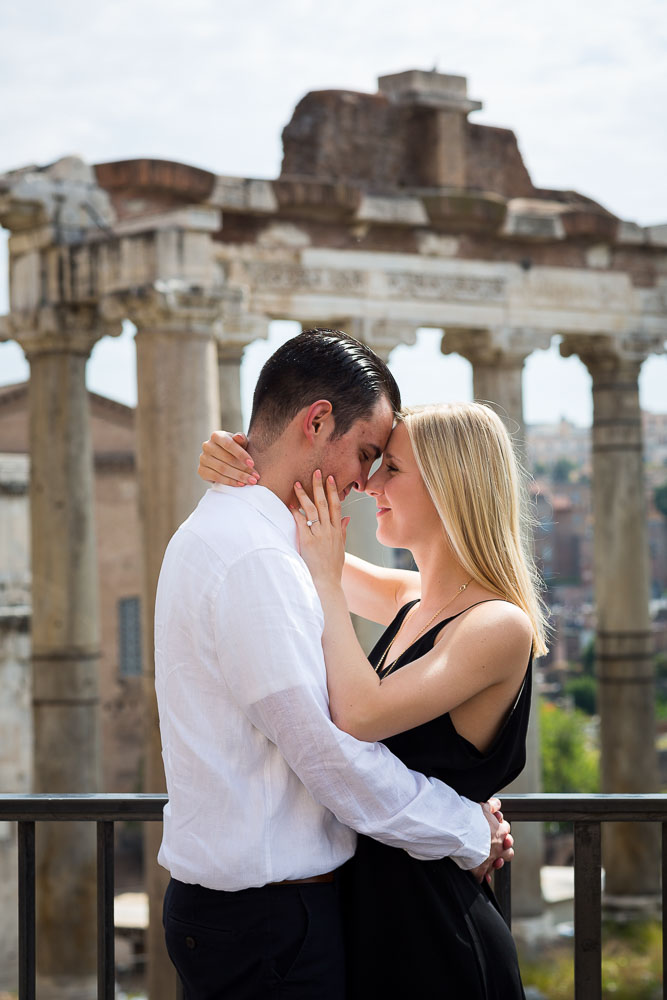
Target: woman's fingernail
<point x="249" y="461"/>
<point x="318" y="474"/>
<point x="330" y="479"/>
<point x="298" y="486"/>
<point x="252" y="481"/>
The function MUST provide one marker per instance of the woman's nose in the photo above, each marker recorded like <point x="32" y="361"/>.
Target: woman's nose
<point x="372" y="485"/>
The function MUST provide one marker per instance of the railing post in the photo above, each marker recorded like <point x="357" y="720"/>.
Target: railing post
<point x="664" y="909"/>
<point x="587" y="912"/>
<point x="106" y="964"/>
<point x="26" y="837"/>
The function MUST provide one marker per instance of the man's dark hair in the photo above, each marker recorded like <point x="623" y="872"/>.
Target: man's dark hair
<point x="321" y="364"/>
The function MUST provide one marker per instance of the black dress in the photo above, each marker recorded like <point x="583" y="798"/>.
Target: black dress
<point x="428" y="929"/>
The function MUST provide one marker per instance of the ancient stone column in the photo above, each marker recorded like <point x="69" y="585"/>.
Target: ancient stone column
<point x="177" y="407"/>
<point x="65" y="642"/>
<point x="497" y="359"/>
<point x="240" y="329"/>
<point x="229" y="384"/>
<point x="623" y="643"/>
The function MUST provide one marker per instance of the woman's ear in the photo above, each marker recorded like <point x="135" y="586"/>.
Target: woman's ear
<point x="317" y="420"/>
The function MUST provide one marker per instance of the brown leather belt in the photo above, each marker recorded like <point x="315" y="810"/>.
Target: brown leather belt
<point x="327" y="877"/>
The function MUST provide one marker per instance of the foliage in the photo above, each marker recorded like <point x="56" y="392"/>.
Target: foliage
<point x="631" y="964"/>
<point x="661" y="666"/>
<point x="569" y="762"/>
<point x="660" y="499"/>
<point x="583" y="691"/>
<point x="561" y="470"/>
<point x="588" y="658"/>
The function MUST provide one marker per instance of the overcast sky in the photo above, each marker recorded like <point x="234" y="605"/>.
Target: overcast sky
<point x="213" y="82"/>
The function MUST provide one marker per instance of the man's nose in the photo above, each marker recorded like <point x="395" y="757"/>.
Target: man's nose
<point x="371" y="486"/>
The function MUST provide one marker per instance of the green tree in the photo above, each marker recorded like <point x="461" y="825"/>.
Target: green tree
<point x="583" y="691"/>
<point x="588" y="658"/>
<point x="660" y="499"/>
<point x="569" y="762"/>
<point x="561" y="469"/>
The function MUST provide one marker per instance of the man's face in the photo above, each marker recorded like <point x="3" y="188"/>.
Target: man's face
<point x="349" y="458"/>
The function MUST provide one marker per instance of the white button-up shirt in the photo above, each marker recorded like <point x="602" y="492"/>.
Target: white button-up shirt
<point x="262" y="785"/>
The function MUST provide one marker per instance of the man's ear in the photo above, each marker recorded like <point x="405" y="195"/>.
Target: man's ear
<point x="317" y="420"/>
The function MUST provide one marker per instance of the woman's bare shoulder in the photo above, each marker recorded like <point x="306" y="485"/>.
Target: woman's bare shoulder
<point x="496" y="628"/>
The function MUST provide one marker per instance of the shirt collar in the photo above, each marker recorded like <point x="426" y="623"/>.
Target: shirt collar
<point x="267" y="503"/>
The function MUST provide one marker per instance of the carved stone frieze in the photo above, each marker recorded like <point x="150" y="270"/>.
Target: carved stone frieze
<point x="417" y="285"/>
<point x="277" y="276"/>
<point x="280" y="276"/>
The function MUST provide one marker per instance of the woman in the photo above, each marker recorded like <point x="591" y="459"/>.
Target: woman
<point x="447" y="687"/>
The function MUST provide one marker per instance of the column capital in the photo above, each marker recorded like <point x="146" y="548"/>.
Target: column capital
<point x="381" y="335"/>
<point x="606" y="354"/>
<point x="239" y="327"/>
<point x="503" y="346"/>
<point x="614" y="364"/>
<point x="61" y="329"/>
<point x="169" y="307"/>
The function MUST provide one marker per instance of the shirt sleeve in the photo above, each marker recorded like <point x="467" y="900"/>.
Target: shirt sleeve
<point x="268" y="628"/>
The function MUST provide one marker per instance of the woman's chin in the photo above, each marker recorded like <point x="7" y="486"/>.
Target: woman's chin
<point x="384" y="536"/>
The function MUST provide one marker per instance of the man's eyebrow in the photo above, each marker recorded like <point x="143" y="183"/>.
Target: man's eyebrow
<point x="374" y="447"/>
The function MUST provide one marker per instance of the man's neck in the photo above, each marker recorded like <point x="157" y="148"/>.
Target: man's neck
<point x="277" y="474"/>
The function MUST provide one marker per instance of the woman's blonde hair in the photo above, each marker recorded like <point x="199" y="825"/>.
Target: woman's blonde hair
<point x="470" y="469"/>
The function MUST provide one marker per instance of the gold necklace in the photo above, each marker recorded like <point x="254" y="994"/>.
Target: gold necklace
<point x="391" y="666"/>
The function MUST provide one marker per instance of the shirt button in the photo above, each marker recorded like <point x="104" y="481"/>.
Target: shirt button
<point x="190" y="942"/>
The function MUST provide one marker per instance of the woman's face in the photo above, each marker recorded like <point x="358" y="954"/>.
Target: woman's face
<point x="405" y="515"/>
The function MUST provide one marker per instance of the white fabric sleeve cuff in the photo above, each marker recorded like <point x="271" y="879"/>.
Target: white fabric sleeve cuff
<point x="476" y="840"/>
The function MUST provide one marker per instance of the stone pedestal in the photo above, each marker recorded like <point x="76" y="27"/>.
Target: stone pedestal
<point x="623" y="643"/>
<point x="177" y="407"/>
<point x="497" y="359"/>
<point x="65" y="646"/>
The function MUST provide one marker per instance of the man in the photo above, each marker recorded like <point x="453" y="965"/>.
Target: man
<point x="264" y="791"/>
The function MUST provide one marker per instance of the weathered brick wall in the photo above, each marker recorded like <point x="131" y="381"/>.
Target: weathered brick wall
<point x="380" y="145"/>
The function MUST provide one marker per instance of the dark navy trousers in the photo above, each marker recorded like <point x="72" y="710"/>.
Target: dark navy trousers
<point x="271" y="942"/>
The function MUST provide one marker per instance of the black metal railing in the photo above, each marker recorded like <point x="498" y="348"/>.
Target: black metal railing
<point x="586" y="812"/>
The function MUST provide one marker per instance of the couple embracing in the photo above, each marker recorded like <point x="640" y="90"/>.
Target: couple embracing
<point x="324" y="832"/>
